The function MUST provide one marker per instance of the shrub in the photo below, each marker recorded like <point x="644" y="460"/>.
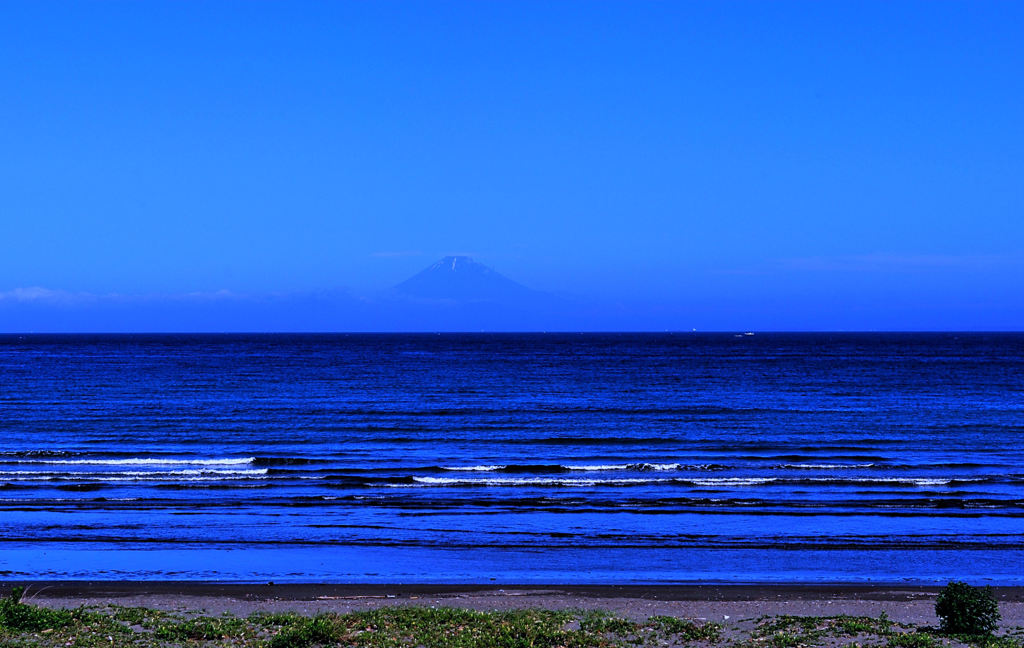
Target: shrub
<point x="15" y="615"/>
<point x="963" y="609"/>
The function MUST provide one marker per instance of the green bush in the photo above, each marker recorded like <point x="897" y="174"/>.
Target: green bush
<point x="15" y="615"/>
<point x="963" y="609"/>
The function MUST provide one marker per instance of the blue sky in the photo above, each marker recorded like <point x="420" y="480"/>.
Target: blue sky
<point x="772" y="164"/>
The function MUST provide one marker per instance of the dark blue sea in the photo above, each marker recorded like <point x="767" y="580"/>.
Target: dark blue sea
<point x="506" y="458"/>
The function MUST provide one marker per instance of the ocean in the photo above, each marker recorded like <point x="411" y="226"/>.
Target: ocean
<point x="513" y="458"/>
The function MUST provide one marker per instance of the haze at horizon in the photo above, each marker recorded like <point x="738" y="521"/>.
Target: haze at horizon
<point x="763" y="166"/>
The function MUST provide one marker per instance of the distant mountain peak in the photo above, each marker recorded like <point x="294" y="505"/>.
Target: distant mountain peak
<point x="460" y="278"/>
<point x="458" y="262"/>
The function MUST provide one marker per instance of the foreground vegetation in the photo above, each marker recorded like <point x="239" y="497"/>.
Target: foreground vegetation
<point x="27" y="625"/>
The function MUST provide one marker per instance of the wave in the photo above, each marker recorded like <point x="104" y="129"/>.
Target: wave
<point x="49" y="453"/>
<point x="825" y="455"/>
<point x="859" y="481"/>
<point x="562" y="468"/>
<point x="74" y="458"/>
<point x="730" y="481"/>
<point x="529" y="481"/>
<point x="285" y="461"/>
<point x="582" y="481"/>
<point x="633" y="466"/>
<point x="139" y="461"/>
<point x="712" y="482"/>
<point x="155" y="478"/>
<point x="559" y="468"/>
<point x="188" y="471"/>
<point x="199" y="474"/>
<point x="562" y="479"/>
<point x="488" y="468"/>
<point x="942" y="465"/>
<point x="52" y="454"/>
<point x="213" y="483"/>
<point x="824" y="466"/>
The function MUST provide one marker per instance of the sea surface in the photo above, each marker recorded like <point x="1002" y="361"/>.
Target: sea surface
<point x="507" y="458"/>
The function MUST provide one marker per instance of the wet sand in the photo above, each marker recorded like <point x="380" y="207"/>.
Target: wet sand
<point x="905" y="604"/>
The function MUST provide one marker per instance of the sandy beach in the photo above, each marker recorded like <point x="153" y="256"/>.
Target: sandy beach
<point x="720" y="603"/>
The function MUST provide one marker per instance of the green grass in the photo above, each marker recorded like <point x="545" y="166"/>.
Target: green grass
<point x="17" y="616"/>
<point x="686" y="629"/>
<point x="24" y="626"/>
<point x="27" y="625"/>
<point x="599" y="622"/>
<point x="202" y="628"/>
<point x="786" y="631"/>
<point x="851" y="626"/>
<point x="456" y="628"/>
<point x="913" y="640"/>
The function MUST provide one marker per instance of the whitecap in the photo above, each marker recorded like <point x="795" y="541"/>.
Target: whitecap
<point x="490" y="468"/>
<point x="528" y="481"/>
<point x="810" y="466"/>
<point x="141" y="461"/>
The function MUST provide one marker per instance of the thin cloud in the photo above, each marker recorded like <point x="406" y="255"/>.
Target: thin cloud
<point x="396" y="254"/>
<point x="889" y="262"/>
<point x="215" y="295"/>
<point x="40" y="295"/>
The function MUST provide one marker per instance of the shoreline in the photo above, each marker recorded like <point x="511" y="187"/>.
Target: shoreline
<point x="661" y="592"/>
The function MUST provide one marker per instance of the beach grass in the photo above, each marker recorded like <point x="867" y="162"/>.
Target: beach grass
<point x="24" y="625"/>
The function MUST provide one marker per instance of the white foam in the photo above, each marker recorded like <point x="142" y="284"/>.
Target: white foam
<point x="732" y="481"/>
<point x="490" y="468"/>
<point x="598" y="467"/>
<point x="810" y="466"/>
<point x="528" y="481"/>
<point x="124" y="477"/>
<point x="35" y="474"/>
<point x="721" y="482"/>
<point x="917" y="481"/>
<point x="141" y="461"/>
<point x="754" y="481"/>
<point x="583" y="468"/>
<point x="630" y="466"/>
<point x="931" y="482"/>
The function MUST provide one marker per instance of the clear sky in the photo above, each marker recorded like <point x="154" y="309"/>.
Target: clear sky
<point x="766" y="164"/>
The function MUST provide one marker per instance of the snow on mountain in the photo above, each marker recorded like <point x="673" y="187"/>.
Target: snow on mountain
<point x="461" y="279"/>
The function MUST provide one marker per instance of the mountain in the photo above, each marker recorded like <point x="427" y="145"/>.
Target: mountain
<point x="461" y="279"/>
<point x="455" y="294"/>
